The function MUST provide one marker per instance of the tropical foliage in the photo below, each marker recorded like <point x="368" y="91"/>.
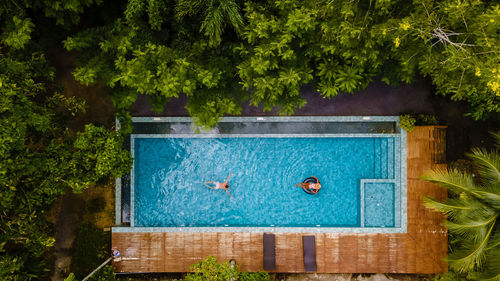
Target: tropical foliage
<point x="407" y="122"/>
<point x="63" y="12"/>
<point x="18" y="18"/>
<point x="210" y="269"/>
<point x="162" y="57"/>
<point x="459" y="50"/>
<point x="40" y="158"/>
<point x="473" y="208"/>
<point x="221" y="53"/>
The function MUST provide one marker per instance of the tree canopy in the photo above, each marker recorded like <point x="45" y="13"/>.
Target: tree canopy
<point x="223" y="52"/>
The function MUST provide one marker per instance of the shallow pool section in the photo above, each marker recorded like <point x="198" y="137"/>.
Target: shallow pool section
<point x="378" y="205"/>
<point x="362" y="175"/>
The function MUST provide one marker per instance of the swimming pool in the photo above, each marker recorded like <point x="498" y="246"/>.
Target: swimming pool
<point x="362" y="174"/>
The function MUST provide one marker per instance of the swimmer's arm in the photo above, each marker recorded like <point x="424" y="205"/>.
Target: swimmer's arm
<point x="228" y="178"/>
<point x="228" y="193"/>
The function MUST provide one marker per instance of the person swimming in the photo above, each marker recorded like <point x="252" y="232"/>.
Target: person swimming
<point x="219" y="185"/>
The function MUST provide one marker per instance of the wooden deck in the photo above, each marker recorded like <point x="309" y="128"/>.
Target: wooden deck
<point x="420" y="250"/>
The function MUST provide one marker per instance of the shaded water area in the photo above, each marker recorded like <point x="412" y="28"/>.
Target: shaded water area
<point x="265" y="127"/>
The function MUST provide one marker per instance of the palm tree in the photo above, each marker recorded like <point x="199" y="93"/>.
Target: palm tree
<point x="472" y="210"/>
<point x="216" y="15"/>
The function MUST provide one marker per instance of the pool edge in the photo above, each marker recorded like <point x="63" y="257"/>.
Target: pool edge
<point x="365" y="230"/>
<point x="401" y="178"/>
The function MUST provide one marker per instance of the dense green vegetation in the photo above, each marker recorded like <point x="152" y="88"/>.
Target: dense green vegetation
<point x="222" y="52"/>
<point x="472" y="210"/>
<point x="210" y="269"/>
<point x="40" y="158"/>
<point x="409" y="121"/>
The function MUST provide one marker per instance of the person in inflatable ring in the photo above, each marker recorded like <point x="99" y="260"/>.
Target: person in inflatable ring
<point x="314" y="187"/>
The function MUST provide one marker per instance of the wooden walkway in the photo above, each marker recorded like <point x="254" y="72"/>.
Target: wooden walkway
<point x="421" y="250"/>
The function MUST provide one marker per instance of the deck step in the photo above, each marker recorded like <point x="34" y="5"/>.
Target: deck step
<point x="383" y="158"/>
<point x="376" y="146"/>
<point x="390" y="160"/>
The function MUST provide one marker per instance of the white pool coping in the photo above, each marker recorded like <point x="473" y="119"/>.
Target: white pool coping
<point x="400" y="179"/>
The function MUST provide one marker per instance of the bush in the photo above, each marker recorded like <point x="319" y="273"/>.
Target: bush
<point x="450" y="276"/>
<point x="427" y="119"/>
<point x="254" y="276"/>
<point x="209" y="269"/>
<point x="96" y="205"/>
<point x="106" y="273"/>
<point x="407" y="122"/>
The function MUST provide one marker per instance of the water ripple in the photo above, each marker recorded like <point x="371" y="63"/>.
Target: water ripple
<point x="170" y="175"/>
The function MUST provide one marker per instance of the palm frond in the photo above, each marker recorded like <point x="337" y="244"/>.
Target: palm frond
<point x="453" y="180"/>
<point x="491" y="270"/>
<point x="216" y="15"/>
<point x="496" y="136"/>
<point x="474" y="229"/>
<point x="472" y="215"/>
<point x="231" y="11"/>
<point x="188" y="7"/>
<point x="213" y="24"/>
<point x="488" y="165"/>
<point x="494" y="243"/>
<point x="471" y="255"/>
<point x="491" y="199"/>
<point x="453" y="207"/>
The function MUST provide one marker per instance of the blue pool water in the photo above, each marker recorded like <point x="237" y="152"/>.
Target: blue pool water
<point x="377" y="196"/>
<point x="169" y="175"/>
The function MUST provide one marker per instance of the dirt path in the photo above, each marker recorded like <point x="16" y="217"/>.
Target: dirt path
<point x="67" y="224"/>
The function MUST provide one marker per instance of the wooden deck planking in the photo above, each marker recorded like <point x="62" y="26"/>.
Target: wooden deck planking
<point x="348" y="245"/>
<point x="332" y="252"/>
<point x="421" y="250"/>
<point x="320" y="250"/>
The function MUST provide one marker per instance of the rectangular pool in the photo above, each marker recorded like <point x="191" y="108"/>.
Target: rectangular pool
<point x="362" y="174"/>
